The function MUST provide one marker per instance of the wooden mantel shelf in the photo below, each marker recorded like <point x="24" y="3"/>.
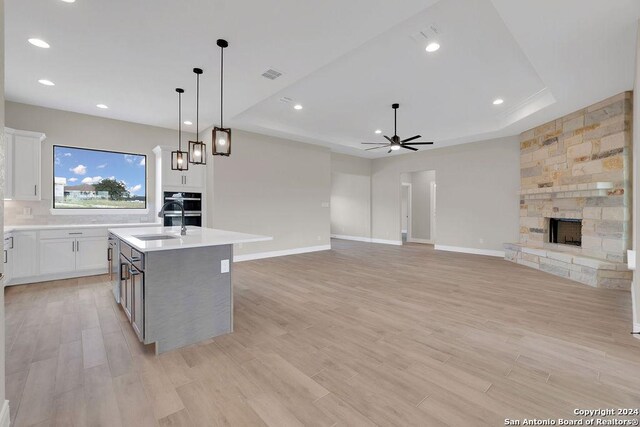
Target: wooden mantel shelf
<point x="569" y="188"/>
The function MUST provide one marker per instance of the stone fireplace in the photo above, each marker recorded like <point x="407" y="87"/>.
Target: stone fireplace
<point x="575" y="209"/>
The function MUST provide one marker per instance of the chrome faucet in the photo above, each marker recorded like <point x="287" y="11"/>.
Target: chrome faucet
<point x="183" y="229"/>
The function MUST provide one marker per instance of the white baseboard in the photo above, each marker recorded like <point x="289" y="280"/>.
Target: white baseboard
<point x="355" y="238"/>
<point x="56" y="276"/>
<point x="423" y="241"/>
<point x="5" y="419"/>
<point x="387" y="242"/>
<point x="285" y="252"/>
<point x="475" y="251"/>
<point x="367" y="239"/>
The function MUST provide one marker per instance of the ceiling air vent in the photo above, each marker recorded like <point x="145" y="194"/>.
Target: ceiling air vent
<point x="286" y="99"/>
<point x="271" y="74"/>
<point x="427" y="33"/>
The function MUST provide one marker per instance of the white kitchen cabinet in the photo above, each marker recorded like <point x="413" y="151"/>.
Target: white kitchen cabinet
<point x="25" y="249"/>
<point x="57" y="255"/>
<point x="7" y="272"/>
<point x="23" y="164"/>
<point x="91" y="253"/>
<point x="192" y="179"/>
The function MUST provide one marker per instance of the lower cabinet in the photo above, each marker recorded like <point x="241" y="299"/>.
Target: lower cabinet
<point x="24" y="254"/>
<point x="57" y="255"/>
<point x="91" y="253"/>
<point x="72" y="254"/>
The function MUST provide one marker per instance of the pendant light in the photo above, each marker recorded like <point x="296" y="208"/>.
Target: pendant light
<point x="197" y="149"/>
<point x="179" y="159"/>
<point x="221" y="141"/>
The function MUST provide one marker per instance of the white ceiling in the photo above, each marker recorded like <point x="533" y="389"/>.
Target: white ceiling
<point x="345" y="61"/>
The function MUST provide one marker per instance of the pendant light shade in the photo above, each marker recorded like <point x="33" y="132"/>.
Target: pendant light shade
<point x="221" y="141"/>
<point x="179" y="159"/>
<point x="197" y="149"/>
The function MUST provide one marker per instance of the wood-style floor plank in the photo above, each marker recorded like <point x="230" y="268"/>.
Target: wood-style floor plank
<point x="334" y="338"/>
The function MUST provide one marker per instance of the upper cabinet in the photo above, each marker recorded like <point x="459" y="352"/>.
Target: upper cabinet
<point x="23" y="165"/>
<point x="169" y="180"/>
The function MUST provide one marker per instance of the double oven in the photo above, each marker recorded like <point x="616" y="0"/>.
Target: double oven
<point x="192" y="203"/>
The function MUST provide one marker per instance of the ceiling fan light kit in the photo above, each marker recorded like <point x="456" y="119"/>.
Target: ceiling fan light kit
<point x="394" y="142"/>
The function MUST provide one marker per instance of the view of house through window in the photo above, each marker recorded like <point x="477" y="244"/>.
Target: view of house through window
<point x="95" y="179"/>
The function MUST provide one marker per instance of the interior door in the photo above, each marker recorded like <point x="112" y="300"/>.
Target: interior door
<point x="57" y="255"/>
<point x="90" y="253"/>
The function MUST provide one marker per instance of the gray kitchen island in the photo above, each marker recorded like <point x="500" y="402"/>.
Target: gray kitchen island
<point x="175" y="289"/>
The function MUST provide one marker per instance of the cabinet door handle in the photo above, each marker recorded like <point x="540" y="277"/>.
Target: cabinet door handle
<point x="73" y="246"/>
<point x="109" y="254"/>
<point x="5" y="256"/>
<point x="77" y="246"/>
<point x="35" y="190"/>
<point x="75" y="233"/>
<point x="11" y="238"/>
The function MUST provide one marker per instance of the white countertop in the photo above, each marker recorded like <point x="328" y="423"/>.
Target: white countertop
<point x="196" y="237"/>
<point x="10" y="228"/>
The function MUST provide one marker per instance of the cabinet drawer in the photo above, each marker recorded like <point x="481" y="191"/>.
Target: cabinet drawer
<point x="71" y="233"/>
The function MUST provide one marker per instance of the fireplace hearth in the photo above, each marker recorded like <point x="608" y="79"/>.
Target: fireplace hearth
<point x="565" y="231"/>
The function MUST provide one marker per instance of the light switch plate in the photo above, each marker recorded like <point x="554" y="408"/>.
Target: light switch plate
<point x="224" y="266"/>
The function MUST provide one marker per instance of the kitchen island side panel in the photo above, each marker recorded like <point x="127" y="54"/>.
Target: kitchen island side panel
<point x="187" y="298"/>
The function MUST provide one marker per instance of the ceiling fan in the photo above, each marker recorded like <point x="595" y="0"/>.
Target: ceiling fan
<point x="395" y="143"/>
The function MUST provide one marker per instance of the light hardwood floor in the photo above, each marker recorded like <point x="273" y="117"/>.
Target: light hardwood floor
<point x="363" y="334"/>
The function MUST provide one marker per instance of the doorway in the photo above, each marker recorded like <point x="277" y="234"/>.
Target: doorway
<point x="418" y="207"/>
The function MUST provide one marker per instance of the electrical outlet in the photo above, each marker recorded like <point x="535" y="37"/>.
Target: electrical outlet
<point x="224" y="266"/>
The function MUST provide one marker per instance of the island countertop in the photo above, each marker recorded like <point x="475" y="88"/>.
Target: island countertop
<point x="196" y="237"/>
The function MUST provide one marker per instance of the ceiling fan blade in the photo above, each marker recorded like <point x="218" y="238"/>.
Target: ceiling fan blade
<point x="389" y="139"/>
<point x="377" y="143"/>
<point x="375" y="148"/>
<point x="411" y="139"/>
<point x="409" y="148"/>
<point x="418" y="143"/>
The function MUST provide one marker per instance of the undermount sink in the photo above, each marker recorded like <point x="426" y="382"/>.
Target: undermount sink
<point x="155" y="237"/>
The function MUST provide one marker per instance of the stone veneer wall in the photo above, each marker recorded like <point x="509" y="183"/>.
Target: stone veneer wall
<point x="571" y="154"/>
<point x="579" y="166"/>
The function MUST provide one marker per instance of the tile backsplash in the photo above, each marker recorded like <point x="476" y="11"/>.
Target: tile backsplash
<point x="38" y="212"/>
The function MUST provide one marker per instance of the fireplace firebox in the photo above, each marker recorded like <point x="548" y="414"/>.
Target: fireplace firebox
<point x="565" y="231"/>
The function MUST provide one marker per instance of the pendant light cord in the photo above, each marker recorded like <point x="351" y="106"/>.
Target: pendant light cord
<point x="179" y="121"/>
<point x="395" y="122"/>
<point x="221" y="85"/>
<point x="197" y="107"/>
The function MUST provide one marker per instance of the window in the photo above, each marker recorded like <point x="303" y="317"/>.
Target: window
<point x="84" y="178"/>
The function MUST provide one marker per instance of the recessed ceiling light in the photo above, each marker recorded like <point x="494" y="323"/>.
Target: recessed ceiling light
<point x="188" y="123"/>
<point x="432" y="47"/>
<point x="298" y="107"/>
<point x="104" y="107"/>
<point x="46" y="82"/>
<point x="39" y="43"/>
<point x="498" y="101"/>
<point x="69" y="1"/>
<point x="395" y="147"/>
<point x="378" y="131"/>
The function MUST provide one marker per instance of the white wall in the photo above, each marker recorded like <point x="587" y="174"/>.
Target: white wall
<point x="271" y="186"/>
<point x="635" y="287"/>
<point x="350" y="196"/>
<point x="2" y="113"/>
<point x="477" y="193"/>
<point x="81" y="130"/>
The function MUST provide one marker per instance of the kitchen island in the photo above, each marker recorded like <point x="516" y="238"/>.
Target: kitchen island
<point x="176" y="289"/>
